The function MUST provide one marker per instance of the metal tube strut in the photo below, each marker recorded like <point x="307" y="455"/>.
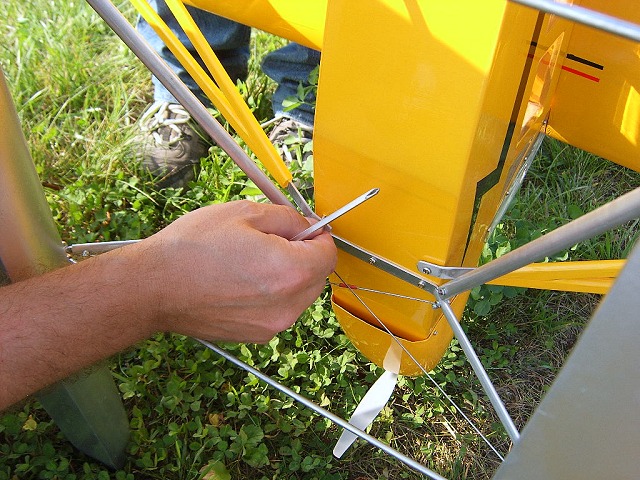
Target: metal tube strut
<point x="588" y="17"/>
<point x="325" y="413"/>
<point x="476" y="364"/>
<point x="186" y="98"/>
<point x="617" y="212"/>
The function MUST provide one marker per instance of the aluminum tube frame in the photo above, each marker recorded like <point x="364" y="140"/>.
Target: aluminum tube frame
<point x="613" y="214"/>
<point x="128" y="34"/>
<point x="325" y="413"/>
<point x="585" y="16"/>
<point x="481" y="373"/>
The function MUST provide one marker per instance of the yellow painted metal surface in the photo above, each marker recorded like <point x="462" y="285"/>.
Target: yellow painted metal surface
<point x="433" y="102"/>
<point x="438" y="104"/>
<point x="596" y="105"/>
<point x="595" y="276"/>
<point x="301" y="21"/>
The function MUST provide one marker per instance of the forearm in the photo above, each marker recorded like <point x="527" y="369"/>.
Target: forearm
<point x="224" y="272"/>
<point x="54" y="325"/>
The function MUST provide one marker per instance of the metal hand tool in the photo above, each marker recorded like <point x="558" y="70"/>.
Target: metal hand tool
<point x="305" y="234"/>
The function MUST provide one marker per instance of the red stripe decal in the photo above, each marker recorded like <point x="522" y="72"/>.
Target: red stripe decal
<point x="575" y="72"/>
<point x="581" y="74"/>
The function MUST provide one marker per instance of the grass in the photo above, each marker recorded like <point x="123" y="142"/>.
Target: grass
<point x="78" y="92"/>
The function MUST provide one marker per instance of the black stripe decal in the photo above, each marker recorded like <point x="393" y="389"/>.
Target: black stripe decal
<point x="584" y="61"/>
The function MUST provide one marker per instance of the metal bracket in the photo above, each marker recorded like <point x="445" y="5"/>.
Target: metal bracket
<point x="447" y="273"/>
<point x="386" y="265"/>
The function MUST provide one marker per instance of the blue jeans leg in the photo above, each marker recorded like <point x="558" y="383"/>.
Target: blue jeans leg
<point x="290" y="66"/>
<point x="230" y="41"/>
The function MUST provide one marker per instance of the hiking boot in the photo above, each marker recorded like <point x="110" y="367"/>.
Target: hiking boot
<point x="170" y="144"/>
<point x="294" y="142"/>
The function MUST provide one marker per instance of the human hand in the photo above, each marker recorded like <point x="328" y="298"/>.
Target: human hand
<point x="229" y="272"/>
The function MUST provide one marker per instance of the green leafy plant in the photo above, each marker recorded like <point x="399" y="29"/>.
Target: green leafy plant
<point x="305" y="93"/>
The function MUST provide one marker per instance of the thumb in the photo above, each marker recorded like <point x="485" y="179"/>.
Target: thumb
<point x="279" y="220"/>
